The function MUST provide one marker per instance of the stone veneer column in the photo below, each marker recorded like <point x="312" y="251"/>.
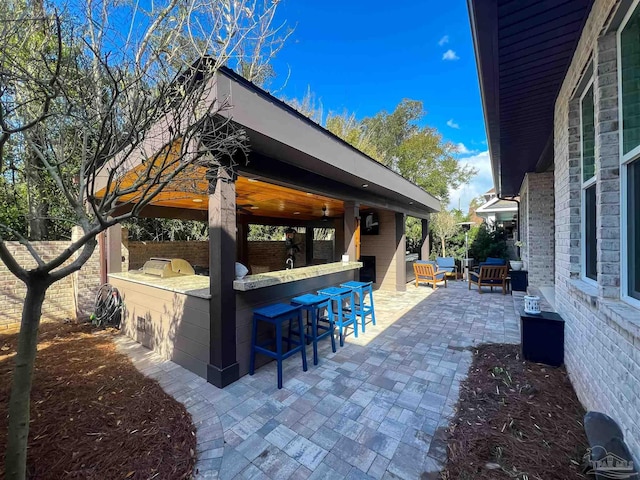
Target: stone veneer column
<point x="605" y="89"/>
<point x="539" y="232"/>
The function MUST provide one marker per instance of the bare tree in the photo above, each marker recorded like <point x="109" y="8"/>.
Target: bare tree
<point x="88" y="103"/>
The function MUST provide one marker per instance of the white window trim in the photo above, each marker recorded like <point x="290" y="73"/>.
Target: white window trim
<point x="625" y="160"/>
<point x="583" y="188"/>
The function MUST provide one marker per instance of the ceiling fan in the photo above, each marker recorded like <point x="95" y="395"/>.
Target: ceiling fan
<point x="244" y="208"/>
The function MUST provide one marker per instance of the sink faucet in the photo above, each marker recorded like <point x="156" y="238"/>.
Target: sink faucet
<point x="289" y="263"/>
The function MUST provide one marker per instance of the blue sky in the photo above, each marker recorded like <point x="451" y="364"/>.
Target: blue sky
<point x="366" y="56"/>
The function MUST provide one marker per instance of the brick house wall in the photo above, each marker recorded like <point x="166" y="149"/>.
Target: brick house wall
<point x="538" y="227"/>
<point x="602" y="337"/>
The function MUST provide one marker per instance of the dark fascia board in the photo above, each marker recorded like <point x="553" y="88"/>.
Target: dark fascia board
<point x="484" y="32"/>
<point x="259" y="111"/>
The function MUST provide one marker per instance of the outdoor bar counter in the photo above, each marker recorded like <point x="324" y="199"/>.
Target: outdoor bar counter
<point x="172" y="315"/>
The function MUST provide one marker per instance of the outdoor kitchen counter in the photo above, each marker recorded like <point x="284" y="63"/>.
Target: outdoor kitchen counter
<point x="253" y="282"/>
<point x="193" y="285"/>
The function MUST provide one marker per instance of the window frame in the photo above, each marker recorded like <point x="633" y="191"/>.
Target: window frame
<point x="625" y="161"/>
<point x="584" y="186"/>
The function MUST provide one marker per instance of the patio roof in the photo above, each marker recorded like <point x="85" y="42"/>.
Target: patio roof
<point x="523" y="50"/>
<point x="299" y="165"/>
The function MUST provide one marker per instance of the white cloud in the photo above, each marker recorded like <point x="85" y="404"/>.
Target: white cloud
<point x="450" y="55"/>
<point x="452" y="124"/>
<point x="463" y="150"/>
<point x="444" y="40"/>
<point x="479" y="184"/>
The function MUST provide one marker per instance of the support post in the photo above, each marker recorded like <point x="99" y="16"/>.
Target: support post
<point x="223" y="367"/>
<point x="114" y="248"/>
<point x="308" y="244"/>
<point x="424" y="243"/>
<point x="351" y="212"/>
<point x="401" y="253"/>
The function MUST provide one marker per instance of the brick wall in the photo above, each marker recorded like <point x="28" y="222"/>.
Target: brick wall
<point x="61" y="301"/>
<point x="602" y="338"/>
<point x="537" y="230"/>
<point x="86" y="281"/>
<point x="196" y="253"/>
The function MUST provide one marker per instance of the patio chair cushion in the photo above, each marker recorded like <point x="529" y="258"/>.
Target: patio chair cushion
<point x="493" y="261"/>
<point x="447" y="264"/>
<point x="476" y="276"/>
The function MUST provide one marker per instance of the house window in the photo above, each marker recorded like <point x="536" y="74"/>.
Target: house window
<point x="588" y="135"/>
<point x="629" y="94"/>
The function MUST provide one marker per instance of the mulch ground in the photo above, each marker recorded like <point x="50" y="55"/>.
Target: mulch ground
<point x="515" y="420"/>
<point x="93" y="415"/>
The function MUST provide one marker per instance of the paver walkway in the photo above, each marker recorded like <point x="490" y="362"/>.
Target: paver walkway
<point x="375" y="409"/>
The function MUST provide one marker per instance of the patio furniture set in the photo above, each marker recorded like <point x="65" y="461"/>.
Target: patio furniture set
<point x="328" y="308"/>
<point x="493" y="272"/>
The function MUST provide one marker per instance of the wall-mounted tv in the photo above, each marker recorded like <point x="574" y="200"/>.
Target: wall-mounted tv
<point x="369" y="224"/>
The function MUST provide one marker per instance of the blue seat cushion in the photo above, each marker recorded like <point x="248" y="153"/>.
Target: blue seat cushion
<point x="493" y="261"/>
<point x="448" y="264"/>
<point x="440" y="276"/>
<point x="474" y="276"/>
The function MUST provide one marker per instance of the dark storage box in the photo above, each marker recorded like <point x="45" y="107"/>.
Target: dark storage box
<point x="519" y="280"/>
<point x="542" y="338"/>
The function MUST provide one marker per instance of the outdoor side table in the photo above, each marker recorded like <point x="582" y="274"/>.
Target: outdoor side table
<point x="542" y="338"/>
<point x="519" y="280"/>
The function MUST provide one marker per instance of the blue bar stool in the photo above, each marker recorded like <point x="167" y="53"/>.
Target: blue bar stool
<point x="361" y="307"/>
<point x="276" y="314"/>
<point x="342" y="317"/>
<point x="313" y="305"/>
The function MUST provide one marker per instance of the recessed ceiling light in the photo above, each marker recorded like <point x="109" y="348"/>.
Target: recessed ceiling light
<point x="309" y="193"/>
<point x="365" y="185"/>
<point x="296" y="213"/>
<point x="410" y="203"/>
<point x="196" y="200"/>
<point x="252" y="179"/>
<point x="253" y="207"/>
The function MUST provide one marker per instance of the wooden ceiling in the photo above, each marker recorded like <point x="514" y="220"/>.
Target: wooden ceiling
<point x="254" y="197"/>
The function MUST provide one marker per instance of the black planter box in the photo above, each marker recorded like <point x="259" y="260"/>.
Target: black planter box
<point x="519" y="280"/>
<point x="542" y="338"/>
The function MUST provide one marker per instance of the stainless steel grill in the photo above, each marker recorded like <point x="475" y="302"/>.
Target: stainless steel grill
<point x="167" y="267"/>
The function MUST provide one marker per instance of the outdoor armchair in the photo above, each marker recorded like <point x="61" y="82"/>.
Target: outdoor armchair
<point x="448" y="264"/>
<point x="489" y="276"/>
<point x="427" y="272"/>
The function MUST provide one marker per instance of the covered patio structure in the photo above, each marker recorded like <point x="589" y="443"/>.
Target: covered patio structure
<point x="297" y="175"/>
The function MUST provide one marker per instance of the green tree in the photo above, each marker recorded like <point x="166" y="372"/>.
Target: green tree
<point x="349" y="129"/>
<point x="417" y="153"/>
<point x="489" y="242"/>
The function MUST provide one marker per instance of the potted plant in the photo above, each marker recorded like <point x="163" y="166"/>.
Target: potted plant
<point x="517" y="264"/>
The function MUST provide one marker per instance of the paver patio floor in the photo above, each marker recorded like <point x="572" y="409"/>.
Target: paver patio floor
<point x="374" y="409"/>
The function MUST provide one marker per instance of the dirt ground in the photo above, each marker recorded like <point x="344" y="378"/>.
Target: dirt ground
<point x="515" y="420"/>
<point x="93" y="415"/>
